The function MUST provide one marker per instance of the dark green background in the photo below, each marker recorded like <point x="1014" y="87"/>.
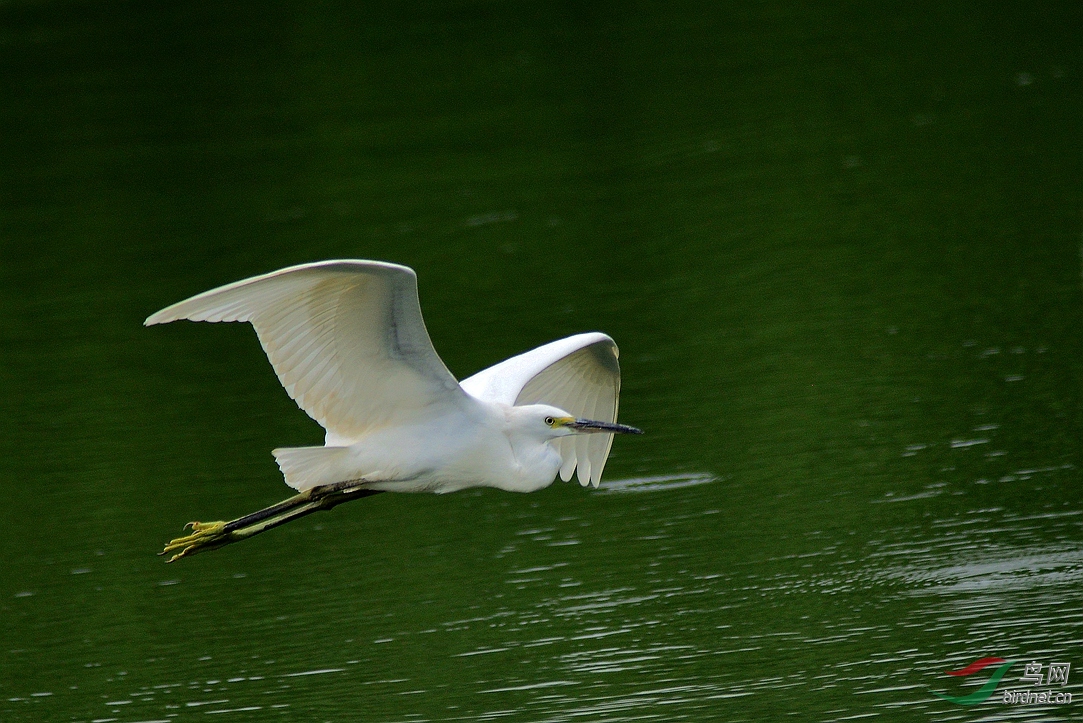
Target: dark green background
<point x="839" y="245"/>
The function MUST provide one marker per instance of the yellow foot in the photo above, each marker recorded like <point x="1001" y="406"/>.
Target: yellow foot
<point x="205" y="536"/>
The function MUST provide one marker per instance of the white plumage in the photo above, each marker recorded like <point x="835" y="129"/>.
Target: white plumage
<point x="347" y="341"/>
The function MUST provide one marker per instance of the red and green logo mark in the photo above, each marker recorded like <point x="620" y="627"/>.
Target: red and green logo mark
<point x="983" y="693"/>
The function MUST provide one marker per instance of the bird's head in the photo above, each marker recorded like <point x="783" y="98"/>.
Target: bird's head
<point x="551" y="422"/>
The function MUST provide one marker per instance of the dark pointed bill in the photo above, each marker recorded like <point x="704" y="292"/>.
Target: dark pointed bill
<point x="589" y="425"/>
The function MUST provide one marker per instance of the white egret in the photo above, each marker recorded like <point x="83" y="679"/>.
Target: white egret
<point x="348" y="343"/>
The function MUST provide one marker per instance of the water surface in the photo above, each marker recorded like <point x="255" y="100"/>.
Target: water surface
<point x="839" y="249"/>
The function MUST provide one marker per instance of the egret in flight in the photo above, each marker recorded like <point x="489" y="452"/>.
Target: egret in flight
<point x="347" y="341"/>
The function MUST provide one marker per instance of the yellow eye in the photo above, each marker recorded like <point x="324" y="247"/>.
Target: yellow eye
<point x="550" y="421"/>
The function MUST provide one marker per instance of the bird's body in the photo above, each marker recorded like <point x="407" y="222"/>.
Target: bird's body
<point x="479" y="444"/>
<point x="348" y="343"/>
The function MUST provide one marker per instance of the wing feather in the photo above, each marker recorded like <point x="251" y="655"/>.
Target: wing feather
<point x="345" y="338"/>
<point x="579" y="374"/>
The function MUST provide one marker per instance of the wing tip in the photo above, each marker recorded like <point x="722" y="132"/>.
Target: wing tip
<point x="157" y="317"/>
<point x="596" y="477"/>
<point x="168" y="314"/>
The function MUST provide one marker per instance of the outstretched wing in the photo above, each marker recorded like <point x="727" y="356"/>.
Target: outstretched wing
<point x="346" y="339"/>
<point x="580" y="375"/>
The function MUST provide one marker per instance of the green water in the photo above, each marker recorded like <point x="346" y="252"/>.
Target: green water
<point x="839" y="248"/>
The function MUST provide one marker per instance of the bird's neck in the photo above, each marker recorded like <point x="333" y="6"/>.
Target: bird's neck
<point x="536" y="458"/>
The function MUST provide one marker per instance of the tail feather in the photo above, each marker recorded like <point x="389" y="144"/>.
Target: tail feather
<point x="308" y="467"/>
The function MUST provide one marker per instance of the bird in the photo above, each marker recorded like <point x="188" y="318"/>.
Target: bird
<point x="348" y="343"/>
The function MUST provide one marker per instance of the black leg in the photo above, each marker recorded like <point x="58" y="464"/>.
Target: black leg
<point x="212" y="535"/>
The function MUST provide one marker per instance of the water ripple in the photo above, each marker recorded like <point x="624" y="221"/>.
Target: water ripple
<point x="656" y="483"/>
